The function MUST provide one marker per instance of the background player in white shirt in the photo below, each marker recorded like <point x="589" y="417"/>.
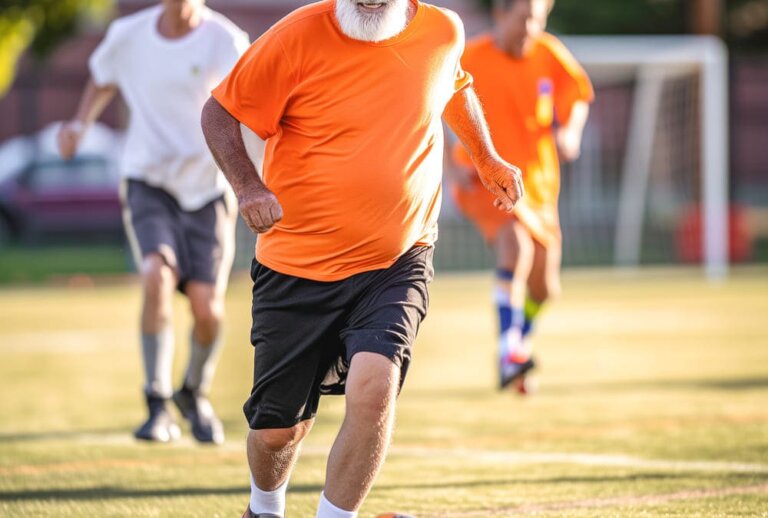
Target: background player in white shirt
<point x="178" y="208"/>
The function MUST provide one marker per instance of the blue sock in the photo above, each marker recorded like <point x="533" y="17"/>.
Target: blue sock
<point x="511" y="319"/>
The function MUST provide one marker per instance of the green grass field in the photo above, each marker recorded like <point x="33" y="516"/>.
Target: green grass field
<point x="653" y="401"/>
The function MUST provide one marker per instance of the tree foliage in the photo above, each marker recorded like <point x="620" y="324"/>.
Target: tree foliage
<point x="745" y="24"/>
<point x="40" y="25"/>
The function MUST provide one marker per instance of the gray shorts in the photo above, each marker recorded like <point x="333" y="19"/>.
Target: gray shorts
<point x="199" y="245"/>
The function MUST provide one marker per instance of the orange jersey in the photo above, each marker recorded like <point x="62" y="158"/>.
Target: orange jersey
<point x="522" y="99"/>
<point x="354" y="136"/>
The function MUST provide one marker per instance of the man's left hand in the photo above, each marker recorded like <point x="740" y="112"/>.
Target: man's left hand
<point x="503" y="180"/>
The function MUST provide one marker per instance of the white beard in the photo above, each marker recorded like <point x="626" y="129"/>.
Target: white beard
<point x="372" y="27"/>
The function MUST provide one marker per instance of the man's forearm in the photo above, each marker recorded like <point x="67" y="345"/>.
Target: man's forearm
<point x="464" y="115"/>
<point x="225" y="140"/>
<point x="93" y="102"/>
<point x="578" y="118"/>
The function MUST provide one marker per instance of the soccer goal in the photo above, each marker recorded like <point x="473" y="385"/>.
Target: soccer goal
<point x="652" y="184"/>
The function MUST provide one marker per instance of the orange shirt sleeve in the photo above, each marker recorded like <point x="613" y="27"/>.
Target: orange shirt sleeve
<point x="463" y="78"/>
<point x="258" y="88"/>
<point x="570" y="80"/>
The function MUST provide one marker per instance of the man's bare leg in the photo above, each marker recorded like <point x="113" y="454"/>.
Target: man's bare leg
<point x="361" y="445"/>
<point x="272" y="453"/>
<point x="157" y="343"/>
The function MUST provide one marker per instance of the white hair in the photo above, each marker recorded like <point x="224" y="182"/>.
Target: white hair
<point x="374" y="27"/>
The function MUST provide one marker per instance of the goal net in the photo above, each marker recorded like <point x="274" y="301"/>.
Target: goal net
<point x="651" y="184"/>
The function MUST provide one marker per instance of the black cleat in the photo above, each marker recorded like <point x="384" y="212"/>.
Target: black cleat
<point x="160" y="426"/>
<point x="196" y="409"/>
<point x="514" y="372"/>
<point x="250" y="514"/>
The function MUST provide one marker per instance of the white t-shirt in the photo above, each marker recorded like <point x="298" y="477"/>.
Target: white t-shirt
<point x="165" y="83"/>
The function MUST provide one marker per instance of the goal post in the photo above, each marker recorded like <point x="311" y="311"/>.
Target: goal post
<point x="650" y="61"/>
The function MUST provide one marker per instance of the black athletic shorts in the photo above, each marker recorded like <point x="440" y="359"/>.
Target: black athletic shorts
<point x="305" y="333"/>
<point x="198" y="244"/>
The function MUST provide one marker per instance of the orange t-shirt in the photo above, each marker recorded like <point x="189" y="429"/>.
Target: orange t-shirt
<point x="522" y="98"/>
<point x="354" y="136"/>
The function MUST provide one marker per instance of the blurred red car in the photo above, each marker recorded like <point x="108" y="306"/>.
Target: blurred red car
<point x="56" y="199"/>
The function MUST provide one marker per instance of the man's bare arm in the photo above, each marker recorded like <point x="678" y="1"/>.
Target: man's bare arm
<point x="92" y="103"/>
<point x="569" y="135"/>
<point x="258" y="205"/>
<point x="464" y="115"/>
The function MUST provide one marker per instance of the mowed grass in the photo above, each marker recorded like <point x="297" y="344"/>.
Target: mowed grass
<point x="653" y="401"/>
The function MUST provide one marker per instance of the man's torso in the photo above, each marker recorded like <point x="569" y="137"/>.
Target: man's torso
<point x="165" y="84"/>
<point x="357" y="161"/>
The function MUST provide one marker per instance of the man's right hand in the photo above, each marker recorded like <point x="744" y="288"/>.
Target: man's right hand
<point x="260" y="209"/>
<point x="69" y="139"/>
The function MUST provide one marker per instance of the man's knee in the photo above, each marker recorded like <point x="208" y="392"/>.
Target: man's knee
<point x="550" y="285"/>
<point x="545" y="291"/>
<point x="515" y="248"/>
<point x="209" y="313"/>
<point x="156" y="276"/>
<point x="207" y="310"/>
<point x="277" y="439"/>
<point x="371" y="395"/>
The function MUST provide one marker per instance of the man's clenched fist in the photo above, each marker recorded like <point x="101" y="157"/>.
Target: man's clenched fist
<point x="260" y="209"/>
<point x="503" y="180"/>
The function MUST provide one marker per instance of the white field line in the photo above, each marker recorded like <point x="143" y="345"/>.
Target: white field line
<point x="487" y="456"/>
<point x="66" y="341"/>
<point x="597" y="503"/>
<point x="471" y="455"/>
<point x="585" y="459"/>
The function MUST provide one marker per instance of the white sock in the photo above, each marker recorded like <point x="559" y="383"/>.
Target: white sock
<point x="157" y="354"/>
<point x="268" y="502"/>
<point x="327" y="510"/>
<point x="202" y="363"/>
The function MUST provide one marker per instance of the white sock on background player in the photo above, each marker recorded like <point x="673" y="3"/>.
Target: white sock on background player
<point x="202" y="363"/>
<point x="157" y="352"/>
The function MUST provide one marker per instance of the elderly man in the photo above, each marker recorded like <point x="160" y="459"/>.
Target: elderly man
<point x="536" y="96"/>
<point x="348" y="96"/>
<point x="178" y="211"/>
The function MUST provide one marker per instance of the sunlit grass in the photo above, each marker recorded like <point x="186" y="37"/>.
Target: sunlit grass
<point x="659" y="381"/>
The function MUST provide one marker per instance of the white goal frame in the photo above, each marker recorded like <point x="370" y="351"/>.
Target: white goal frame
<point x="650" y="60"/>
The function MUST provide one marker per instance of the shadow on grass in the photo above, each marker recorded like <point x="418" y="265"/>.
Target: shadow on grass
<point x="117" y="493"/>
<point x="723" y="384"/>
<point x="585" y="479"/>
<point x="53" y="435"/>
<point x="608" y="387"/>
<point x="121" y="433"/>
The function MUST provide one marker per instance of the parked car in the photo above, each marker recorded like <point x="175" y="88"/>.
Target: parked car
<point x="53" y="198"/>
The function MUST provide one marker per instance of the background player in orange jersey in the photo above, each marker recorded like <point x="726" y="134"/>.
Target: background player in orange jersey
<point x="535" y="96"/>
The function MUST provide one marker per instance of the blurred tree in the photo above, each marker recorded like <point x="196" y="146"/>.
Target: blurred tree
<point x="747" y="24"/>
<point x="745" y="27"/>
<point x="616" y="17"/>
<point x="40" y="25"/>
